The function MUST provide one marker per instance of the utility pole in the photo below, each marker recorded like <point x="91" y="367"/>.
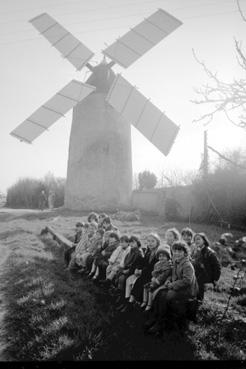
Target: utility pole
<point x="205" y="156"/>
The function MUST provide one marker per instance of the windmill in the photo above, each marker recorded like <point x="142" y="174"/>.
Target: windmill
<point x="99" y="170"/>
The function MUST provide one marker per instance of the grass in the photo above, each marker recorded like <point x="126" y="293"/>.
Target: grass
<point x="51" y="315"/>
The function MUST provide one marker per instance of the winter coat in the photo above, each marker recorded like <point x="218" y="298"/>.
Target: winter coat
<point x="103" y="255"/>
<point x="77" y="237"/>
<point x="183" y="277"/>
<point x="150" y="259"/>
<point x="148" y="262"/>
<point x="133" y="260"/>
<point x="81" y="247"/>
<point x="206" y="264"/>
<point x="162" y="270"/>
<point x="118" y="256"/>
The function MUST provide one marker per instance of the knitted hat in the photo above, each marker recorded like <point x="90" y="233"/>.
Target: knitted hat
<point x="164" y="249"/>
<point x="181" y="245"/>
<point x="80" y="224"/>
<point x="204" y="237"/>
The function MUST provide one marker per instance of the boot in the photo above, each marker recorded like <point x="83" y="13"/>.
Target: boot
<point x="127" y="308"/>
<point x="120" y="299"/>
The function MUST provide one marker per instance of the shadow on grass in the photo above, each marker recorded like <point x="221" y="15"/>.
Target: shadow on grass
<point x="46" y="312"/>
<point x="51" y="315"/>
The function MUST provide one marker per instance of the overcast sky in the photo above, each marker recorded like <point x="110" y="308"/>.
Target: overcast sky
<point x="31" y="71"/>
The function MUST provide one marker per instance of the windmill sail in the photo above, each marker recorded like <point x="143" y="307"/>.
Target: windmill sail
<point x="70" y="47"/>
<point x="140" y="112"/>
<point x="55" y="108"/>
<point x="140" y="39"/>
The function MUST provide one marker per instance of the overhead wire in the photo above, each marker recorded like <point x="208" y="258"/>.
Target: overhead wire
<point x="84" y="11"/>
<point x="111" y="18"/>
<point x="132" y="3"/>
<point x="121" y="27"/>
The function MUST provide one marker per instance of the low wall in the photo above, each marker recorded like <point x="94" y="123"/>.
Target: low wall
<point x="170" y="201"/>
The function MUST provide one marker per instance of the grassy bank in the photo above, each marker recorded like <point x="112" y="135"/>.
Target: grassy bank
<point x="51" y="315"/>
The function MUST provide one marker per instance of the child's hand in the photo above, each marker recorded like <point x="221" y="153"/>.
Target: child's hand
<point x="125" y="271"/>
<point x="167" y="284"/>
<point x="103" y="252"/>
<point x="170" y="285"/>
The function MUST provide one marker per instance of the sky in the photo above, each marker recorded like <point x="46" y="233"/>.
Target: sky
<point x="31" y="72"/>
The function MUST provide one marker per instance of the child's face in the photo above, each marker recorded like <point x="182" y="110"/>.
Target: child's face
<point x="100" y="219"/>
<point x="124" y="244"/>
<point x="178" y="254"/>
<point x="187" y="237"/>
<point x="162" y="257"/>
<point x="106" y="237"/>
<point x="92" y="229"/>
<point x="98" y="235"/>
<point x="111" y="240"/>
<point x="169" y="238"/>
<point x="151" y="242"/>
<point x="199" y="242"/>
<point x="133" y="244"/>
<point x="105" y="225"/>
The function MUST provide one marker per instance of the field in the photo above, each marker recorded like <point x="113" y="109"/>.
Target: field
<point x="47" y="314"/>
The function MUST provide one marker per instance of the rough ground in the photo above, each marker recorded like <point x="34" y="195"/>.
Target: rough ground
<point x="46" y="315"/>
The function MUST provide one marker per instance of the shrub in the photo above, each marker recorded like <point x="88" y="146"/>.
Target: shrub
<point x="222" y="196"/>
<point x="147" y="180"/>
<point x="25" y="193"/>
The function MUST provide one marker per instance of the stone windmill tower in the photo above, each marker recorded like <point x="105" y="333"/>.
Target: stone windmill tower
<point x="99" y="172"/>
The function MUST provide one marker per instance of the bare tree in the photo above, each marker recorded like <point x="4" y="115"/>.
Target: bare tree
<point x="176" y="177"/>
<point x="229" y="98"/>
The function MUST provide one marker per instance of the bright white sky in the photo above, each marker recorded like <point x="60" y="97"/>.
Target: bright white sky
<point x="31" y="71"/>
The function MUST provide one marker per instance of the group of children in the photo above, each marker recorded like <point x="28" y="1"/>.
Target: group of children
<point x="156" y="276"/>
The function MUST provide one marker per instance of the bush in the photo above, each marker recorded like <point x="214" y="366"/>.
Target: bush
<point x="25" y="193"/>
<point x="222" y="197"/>
<point x="147" y="180"/>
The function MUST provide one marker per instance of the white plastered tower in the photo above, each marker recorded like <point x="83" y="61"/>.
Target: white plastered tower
<point x="99" y="172"/>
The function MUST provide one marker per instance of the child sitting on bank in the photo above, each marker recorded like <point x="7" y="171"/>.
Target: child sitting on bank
<point x="101" y="260"/>
<point x="93" y="244"/>
<point x="78" y="234"/>
<point x="187" y="235"/>
<point x="172" y="235"/>
<point x="130" y="270"/>
<point x="162" y="270"/>
<point x="107" y="225"/>
<point x="98" y="252"/>
<point x="116" y="260"/>
<point x="81" y="248"/>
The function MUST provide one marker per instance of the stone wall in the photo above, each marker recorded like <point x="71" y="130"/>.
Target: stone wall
<point x="170" y="201"/>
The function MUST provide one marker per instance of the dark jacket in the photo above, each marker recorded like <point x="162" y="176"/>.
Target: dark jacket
<point x="148" y="265"/>
<point x="207" y="265"/>
<point x="133" y="260"/>
<point x="103" y="254"/>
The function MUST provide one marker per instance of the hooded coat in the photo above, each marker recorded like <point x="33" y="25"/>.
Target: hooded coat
<point x="183" y="277"/>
